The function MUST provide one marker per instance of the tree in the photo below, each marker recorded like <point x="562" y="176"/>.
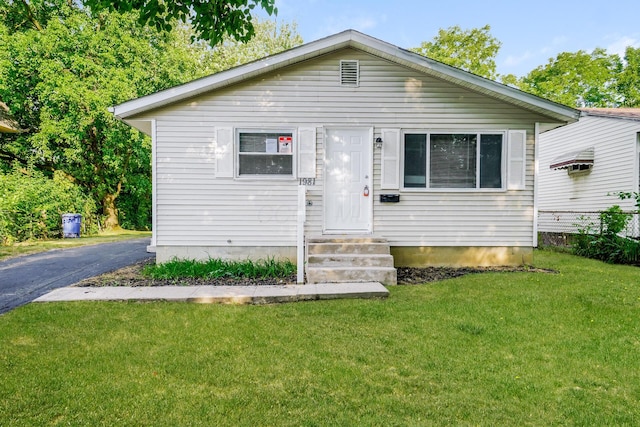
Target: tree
<point x="22" y="15"/>
<point x="629" y="79"/>
<point x="212" y="21"/>
<point x="269" y="39"/>
<point x="59" y="81"/>
<point x="472" y="50"/>
<point x="577" y="79"/>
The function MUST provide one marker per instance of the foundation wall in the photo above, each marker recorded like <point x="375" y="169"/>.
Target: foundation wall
<point x="460" y="256"/>
<point x="404" y="256"/>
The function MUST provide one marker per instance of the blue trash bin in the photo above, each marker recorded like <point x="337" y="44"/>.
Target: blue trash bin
<point x="71" y="225"/>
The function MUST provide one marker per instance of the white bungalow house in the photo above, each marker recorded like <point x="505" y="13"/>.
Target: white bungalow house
<point x="583" y="166"/>
<point x="344" y="136"/>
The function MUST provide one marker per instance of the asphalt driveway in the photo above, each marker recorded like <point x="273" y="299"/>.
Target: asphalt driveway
<point x="25" y="278"/>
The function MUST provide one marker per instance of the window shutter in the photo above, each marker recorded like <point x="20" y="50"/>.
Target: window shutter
<point x="224" y="152"/>
<point x="307" y="152"/>
<point x="390" y="164"/>
<point x="517" y="154"/>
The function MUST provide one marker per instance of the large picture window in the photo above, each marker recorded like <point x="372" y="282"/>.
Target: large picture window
<point x="265" y="153"/>
<point x="453" y="160"/>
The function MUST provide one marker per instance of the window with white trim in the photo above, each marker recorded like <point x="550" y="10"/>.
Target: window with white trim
<point x="462" y="160"/>
<point x="267" y="152"/>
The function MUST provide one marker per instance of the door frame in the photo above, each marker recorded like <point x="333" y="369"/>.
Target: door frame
<point x="370" y="156"/>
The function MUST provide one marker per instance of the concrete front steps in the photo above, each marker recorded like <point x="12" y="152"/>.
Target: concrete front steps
<point x="344" y="259"/>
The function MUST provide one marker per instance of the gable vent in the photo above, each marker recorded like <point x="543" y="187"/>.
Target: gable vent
<point x="349" y="73"/>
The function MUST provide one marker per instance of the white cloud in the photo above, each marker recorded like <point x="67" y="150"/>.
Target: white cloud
<point x="513" y="61"/>
<point x="525" y="61"/>
<point x="619" y="45"/>
<point x="363" y="23"/>
<point x="553" y="46"/>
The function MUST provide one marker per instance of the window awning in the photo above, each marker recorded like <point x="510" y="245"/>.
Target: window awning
<point x="574" y="158"/>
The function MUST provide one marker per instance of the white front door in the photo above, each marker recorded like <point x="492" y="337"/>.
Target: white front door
<point x="348" y="186"/>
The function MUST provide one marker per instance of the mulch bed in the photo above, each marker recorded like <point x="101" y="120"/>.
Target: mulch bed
<point x="132" y="276"/>
<point x="418" y="276"/>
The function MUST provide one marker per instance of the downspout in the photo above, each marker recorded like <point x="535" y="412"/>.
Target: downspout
<point x="536" y="141"/>
<point x="302" y="216"/>
<point x="154" y="189"/>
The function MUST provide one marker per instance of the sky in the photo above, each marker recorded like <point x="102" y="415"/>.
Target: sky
<point x="531" y="32"/>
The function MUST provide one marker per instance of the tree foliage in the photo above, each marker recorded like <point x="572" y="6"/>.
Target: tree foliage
<point x="473" y="50"/>
<point x="59" y="83"/>
<point x="577" y="79"/>
<point x="213" y="21"/>
<point x="269" y="39"/>
<point x="31" y="205"/>
<point x="60" y="77"/>
<point x="22" y="15"/>
<point x="629" y="79"/>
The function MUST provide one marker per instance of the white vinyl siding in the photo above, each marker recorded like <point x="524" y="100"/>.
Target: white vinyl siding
<point x="195" y="207"/>
<point x="614" y="168"/>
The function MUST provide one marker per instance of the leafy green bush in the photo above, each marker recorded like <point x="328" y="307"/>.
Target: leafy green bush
<point x="31" y="206"/>
<point x="214" y="268"/>
<point x="624" y="195"/>
<point x="605" y="244"/>
<point x="613" y="220"/>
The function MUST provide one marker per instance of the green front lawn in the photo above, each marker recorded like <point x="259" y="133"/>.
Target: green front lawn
<point x="484" y="349"/>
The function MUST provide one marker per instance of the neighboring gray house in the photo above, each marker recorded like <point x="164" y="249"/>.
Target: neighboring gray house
<point x="584" y="164"/>
<point x="355" y="136"/>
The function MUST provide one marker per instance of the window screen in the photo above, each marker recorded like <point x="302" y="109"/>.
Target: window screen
<point x="453" y="161"/>
<point x="263" y="153"/>
<point x="415" y="163"/>
<point x="491" y="161"/>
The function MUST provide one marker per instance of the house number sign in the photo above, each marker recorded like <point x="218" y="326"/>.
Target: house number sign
<point x="307" y="181"/>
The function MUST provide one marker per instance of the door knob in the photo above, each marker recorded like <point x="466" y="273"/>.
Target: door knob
<point x="365" y="193"/>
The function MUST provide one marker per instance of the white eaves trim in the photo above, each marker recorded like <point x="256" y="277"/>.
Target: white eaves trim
<point x="357" y="40"/>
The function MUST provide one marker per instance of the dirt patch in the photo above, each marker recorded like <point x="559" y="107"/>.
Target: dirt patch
<point x="418" y="276"/>
<point x="132" y="276"/>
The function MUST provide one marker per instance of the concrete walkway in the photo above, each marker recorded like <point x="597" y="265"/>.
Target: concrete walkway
<point x="219" y="294"/>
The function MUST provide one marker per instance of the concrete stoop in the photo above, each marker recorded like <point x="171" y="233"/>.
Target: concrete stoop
<point x="348" y="259"/>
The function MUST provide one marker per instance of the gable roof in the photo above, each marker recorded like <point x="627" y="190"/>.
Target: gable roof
<point x="617" y="113"/>
<point x="349" y="39"/>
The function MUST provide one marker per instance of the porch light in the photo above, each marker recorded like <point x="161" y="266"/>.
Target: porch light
<point x="378" y="142"/>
